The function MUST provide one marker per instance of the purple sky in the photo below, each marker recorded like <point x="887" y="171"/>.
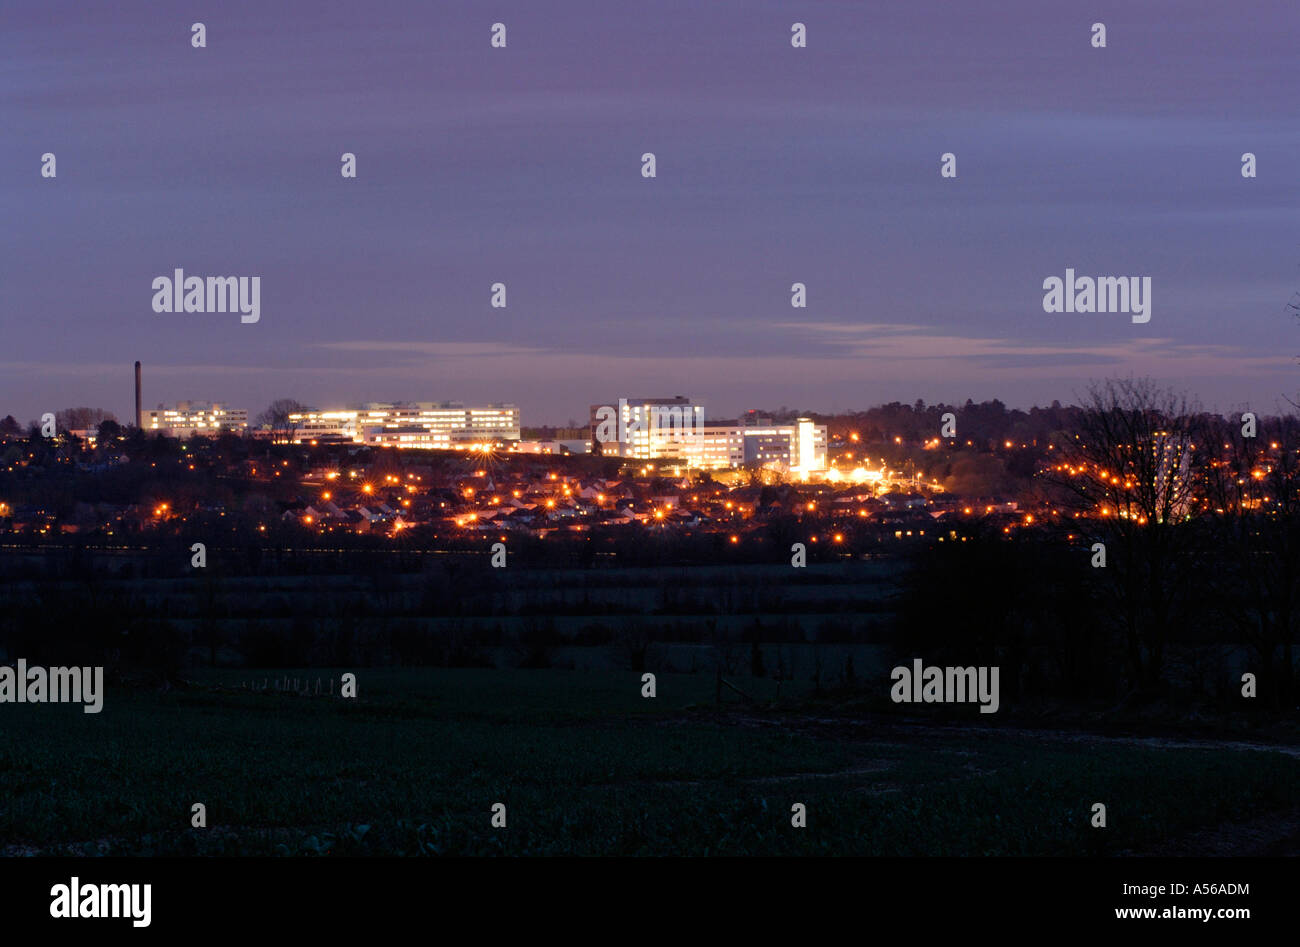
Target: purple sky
<point x="522" y="165"/>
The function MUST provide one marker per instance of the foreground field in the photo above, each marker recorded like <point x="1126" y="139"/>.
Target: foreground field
<point x="585" y="765"/>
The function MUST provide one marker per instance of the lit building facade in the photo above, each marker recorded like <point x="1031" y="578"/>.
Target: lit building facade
<point x="188" y="418"/>
<point x="647" y="428"/>
<point x="426" y="424"/>
<point x="1173" y="475"/>
<point x="674" y="429"/>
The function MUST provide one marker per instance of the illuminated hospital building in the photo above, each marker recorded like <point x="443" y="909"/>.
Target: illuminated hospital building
<point x="426" y="424"/>
<point x="674" y="429"/>
<point x="188" y="418"/>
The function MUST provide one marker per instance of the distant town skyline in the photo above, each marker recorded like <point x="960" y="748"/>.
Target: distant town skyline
<point x="775" y="165"/>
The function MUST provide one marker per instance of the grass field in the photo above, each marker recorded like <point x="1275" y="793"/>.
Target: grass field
<point x="584" y="765"/>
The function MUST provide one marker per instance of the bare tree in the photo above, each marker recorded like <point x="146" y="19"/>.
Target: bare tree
<point x="1126" y="480"/>
<point x="278" y="417"/>
<point x="77" y="419"/>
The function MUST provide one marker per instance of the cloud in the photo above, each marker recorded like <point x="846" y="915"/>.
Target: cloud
<point x="893" y="342"/>
<point x="434" y="349"/>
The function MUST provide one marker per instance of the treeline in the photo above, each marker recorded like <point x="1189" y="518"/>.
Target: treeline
<point x="1170" y="562"/>
<point x="985" y="424"/>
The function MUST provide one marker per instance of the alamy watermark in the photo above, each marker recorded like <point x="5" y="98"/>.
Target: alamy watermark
<point x="946" y="685"/>
<point x="59" y="685"/>
<point x="678" y="423"/>
<point x="75" y="899"/>
<point x="1131" y="294"/>
<point x="181" y="293"/>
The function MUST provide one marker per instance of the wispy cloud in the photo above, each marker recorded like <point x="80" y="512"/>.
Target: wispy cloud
<point x="893" y="342"/>
<point x="433" y="349"/>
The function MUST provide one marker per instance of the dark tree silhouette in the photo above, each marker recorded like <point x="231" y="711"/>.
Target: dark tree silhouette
<point x="1125" y="480"/>
<point x="277" y="417"/>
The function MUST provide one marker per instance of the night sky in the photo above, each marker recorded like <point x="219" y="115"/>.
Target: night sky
<point x="775" y="165"/>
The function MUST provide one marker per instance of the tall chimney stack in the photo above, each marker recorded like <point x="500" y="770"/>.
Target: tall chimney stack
<point x="139" y="415"/>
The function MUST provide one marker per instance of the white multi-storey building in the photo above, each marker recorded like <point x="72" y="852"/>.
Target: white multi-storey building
<point x="324" y="425"/>
<point x="187" y="418"/>
<point x="675" y="429"/>
<point x="647" y="428"/>
<point x="428" y="424"/>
